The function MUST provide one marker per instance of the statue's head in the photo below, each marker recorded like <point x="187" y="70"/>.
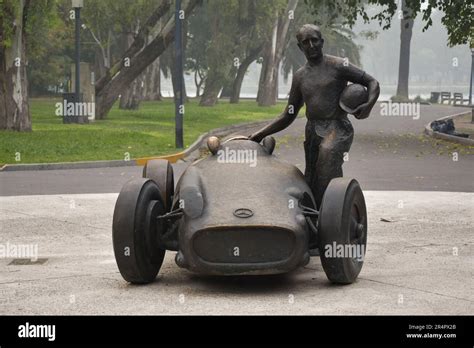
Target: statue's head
<point x="310" y="41"/>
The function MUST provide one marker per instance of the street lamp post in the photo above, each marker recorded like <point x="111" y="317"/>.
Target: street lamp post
<point x="77" y="5"/>
<point x="472" y="72"/>
<point x="470" y="83"/>
<point x="179" y="98"/>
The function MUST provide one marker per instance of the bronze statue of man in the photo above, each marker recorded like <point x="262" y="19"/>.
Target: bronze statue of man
<point x="329" y="133"/>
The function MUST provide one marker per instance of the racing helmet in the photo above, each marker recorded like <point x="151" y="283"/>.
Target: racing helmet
<point x="352" y="96"/>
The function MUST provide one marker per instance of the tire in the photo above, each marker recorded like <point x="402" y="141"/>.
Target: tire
<point x="135" y="229"/>
<point x="161" y="172"/>
<point x="343" y="221"/>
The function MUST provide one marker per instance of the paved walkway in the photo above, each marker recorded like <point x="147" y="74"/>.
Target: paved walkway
<point x="420" y="263"/>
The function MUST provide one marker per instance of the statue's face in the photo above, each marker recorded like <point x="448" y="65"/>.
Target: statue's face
<point x="311" y="43"/>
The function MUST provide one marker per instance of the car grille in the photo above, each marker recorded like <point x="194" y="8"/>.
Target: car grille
<point x="244" y="244"/>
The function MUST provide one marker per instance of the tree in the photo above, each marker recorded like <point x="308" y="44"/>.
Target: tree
<point x="14" y="109"/>
<point x="222" y="47"/>
<point x="197" y="47"/>
<point x="111" y="25"/>
<point x="237" y="30"/>
<point x="47" y="60"/>
<point x="232" y="39"/>
<point x="152" y="80"/>
<point x="102" y="21"/>
<point x="273" y="53"/>
<point x="457" y="16"/>
<point x="258" y="26"/>
<point x="18" y="18"/>
<point x="137" y="58"/>
<point x="252" y="53"/>
<point x="147" y="85"/>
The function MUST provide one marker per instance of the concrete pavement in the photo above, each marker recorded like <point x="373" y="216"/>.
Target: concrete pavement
<point x="420" y="263"/>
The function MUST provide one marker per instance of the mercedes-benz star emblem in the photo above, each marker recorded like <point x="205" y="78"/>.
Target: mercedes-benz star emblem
<point x="243" y="213"/>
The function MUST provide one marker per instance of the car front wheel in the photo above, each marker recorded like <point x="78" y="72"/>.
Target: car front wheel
<point x="342" y="230"/>
<point x="135" y="230"/>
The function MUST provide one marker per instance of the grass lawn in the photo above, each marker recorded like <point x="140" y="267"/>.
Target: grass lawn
<point x="145" y="132"/>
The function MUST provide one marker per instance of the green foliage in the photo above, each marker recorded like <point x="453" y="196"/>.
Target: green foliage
<point x="50" y="36"/>
<point x="118" y="16"/>
<point x="39" y="16"/>
<point x="198" y="41"/>
<point x="457" y="19"/>
<point x="47" y="38"/>
<point x="221" y="31"/>
<point x="9" y="12"/>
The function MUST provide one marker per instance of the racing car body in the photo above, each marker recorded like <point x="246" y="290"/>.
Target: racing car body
<point x="243" y="216"/>
<point x="238" y="211"/>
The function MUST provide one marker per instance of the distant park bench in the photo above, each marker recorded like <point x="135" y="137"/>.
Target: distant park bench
<point x="458" y="98"/>
<point x="446" y="96"/>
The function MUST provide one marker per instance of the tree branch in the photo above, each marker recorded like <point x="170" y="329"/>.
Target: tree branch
<point x="137" y="44"/>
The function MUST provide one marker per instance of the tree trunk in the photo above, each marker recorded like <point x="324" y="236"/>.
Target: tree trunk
<point x="406" y="28"/>
<point x="128" y="94"/>
<point x="268" y="85"/>
<point x="132" y="97"/>
<point x="137" y="93"/>
<point x="14" y="109"/>
<point x="227" y="88"/>
<point x="198" y="81"/>
<point x="261" y="79"/>
<point x="152" y="81"/>
<point x="124" y="99"/>
<point x="99" y="67"/>
<point x="239" y="78"/>
<point x="144" y="87"/>
<point x="237" y="84"/>
<point x="266" y="82"/>
<point x="119" y="76"/>
<point x="214" y="83"/>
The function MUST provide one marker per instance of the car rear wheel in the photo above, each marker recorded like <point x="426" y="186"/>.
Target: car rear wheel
<point x="342" y="230"/>
<point x="161" y="172"/>
<point x="135" y="231"/>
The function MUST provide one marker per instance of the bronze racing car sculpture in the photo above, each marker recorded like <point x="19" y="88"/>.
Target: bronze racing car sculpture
<point x="233" y="218"/>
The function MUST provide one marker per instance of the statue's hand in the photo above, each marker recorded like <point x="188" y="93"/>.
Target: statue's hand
<point x="255" y="137"/>
<point x="362" y="111"/>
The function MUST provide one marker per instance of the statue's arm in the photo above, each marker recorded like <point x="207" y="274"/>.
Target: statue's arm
<point x="295" y="102"/>
<point x="356" y="75"/>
